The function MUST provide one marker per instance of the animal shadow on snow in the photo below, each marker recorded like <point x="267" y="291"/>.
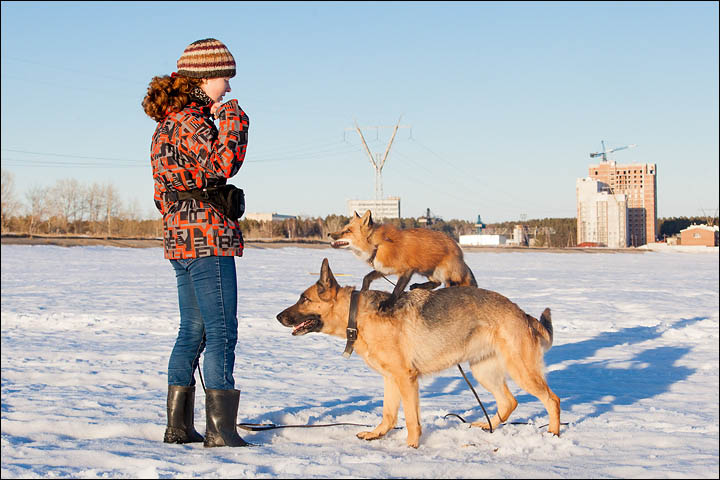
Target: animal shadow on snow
<point x="598" y="382"/>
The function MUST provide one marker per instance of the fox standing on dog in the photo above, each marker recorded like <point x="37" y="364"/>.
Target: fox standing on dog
<point x="391" y="251"/>
<point x="428" y="331"/>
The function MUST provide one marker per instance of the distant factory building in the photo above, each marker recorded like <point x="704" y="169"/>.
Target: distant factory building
<point x="638" y="182"/>
<point x="601" y="215"/>
<point x="267" y="217"/>
<point x="387" y="208"/>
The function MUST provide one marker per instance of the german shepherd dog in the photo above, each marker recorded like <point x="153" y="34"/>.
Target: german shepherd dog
<point x="428" y="331"/>
<point x="391" y="251"/>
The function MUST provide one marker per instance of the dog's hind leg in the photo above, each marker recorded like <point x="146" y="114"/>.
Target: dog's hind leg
<point x="529" y="376"/>
<point x="391" y="404"/>
<point x="491" y="375"/>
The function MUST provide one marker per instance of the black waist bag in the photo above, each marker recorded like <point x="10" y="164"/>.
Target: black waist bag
<point x="228" y="199"/>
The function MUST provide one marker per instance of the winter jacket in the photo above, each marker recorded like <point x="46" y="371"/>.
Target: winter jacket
<point x="188" y="151"/>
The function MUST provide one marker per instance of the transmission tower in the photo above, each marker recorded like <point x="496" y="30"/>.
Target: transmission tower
<point x="377" y="160"/>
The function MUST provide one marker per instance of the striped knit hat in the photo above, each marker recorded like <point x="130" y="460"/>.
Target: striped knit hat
<point x="208" y="58"/>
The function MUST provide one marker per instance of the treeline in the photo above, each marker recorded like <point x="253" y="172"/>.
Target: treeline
<point x="71" y="208"/>
<point x="318" y="228"/>
<point x="667" y="227"/>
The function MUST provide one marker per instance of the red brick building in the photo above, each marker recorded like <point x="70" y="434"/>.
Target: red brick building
<point x="639" y="183"/>
<point x="699" y="235"/>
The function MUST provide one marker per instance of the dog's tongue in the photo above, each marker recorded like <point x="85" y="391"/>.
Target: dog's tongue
<point x="298" y="327"/>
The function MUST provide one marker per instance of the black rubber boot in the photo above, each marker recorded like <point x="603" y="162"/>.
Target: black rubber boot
<point x="221" y="408"/>
<point x="181" y="415"/>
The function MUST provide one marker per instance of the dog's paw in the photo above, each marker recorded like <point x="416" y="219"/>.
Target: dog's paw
<point x="413" y="444"/>
<point x="483" y="425"/>
<point x="368" y="435"/>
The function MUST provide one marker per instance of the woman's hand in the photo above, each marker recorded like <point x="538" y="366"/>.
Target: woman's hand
<point x="214" y="107"/>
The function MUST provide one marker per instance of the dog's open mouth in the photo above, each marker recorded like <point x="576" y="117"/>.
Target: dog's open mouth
<point x="313" y="324"/>
<point x="339" y="244"/>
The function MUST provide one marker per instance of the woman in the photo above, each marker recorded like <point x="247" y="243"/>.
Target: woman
<point x="189" y="152"/>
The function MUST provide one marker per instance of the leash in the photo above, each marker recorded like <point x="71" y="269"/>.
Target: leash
<point x="260" y="427"/>
<point x="478" y="399"/>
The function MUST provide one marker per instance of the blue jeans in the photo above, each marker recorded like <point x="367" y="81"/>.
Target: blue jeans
<point x="207" y="295"/>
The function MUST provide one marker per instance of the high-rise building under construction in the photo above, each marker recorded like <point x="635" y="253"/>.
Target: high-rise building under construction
<point x="639" y="184"/>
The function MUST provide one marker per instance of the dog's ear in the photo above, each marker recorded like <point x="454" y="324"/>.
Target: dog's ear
<point x="367" y="219"/>
<point x="356" y="214"/>
<point x="327" y="281"/>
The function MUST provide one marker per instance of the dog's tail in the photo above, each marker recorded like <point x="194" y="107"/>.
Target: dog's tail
<point x="545" y="329"/>
<point x="546" y="322"/>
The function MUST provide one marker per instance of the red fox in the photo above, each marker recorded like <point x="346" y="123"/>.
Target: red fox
<point x="391" y="251"/>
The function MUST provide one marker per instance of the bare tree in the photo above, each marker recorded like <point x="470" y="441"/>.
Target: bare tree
<point x="95" y="204"/>
<point x="68" y="198"/>
<point x="38" y="207"/>
<point x="112" y="205"/>
<point x="8" y="205"/>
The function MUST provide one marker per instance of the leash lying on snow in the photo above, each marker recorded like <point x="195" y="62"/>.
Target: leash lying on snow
<point x="259" y="427"/>
<point x="504" y="423"/>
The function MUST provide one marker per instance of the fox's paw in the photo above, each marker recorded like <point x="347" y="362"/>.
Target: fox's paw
<point x="386" y="305"/>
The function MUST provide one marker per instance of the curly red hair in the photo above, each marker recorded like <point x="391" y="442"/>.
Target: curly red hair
<point x="168" y="93"/>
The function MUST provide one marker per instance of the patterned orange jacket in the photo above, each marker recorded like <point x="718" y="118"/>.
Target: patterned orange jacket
<point x="188" y="151"/>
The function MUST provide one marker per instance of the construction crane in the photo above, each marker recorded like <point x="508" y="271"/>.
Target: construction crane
<point x="604" y="152"/>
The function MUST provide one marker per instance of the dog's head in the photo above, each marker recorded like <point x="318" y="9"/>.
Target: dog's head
<point x="355" y="234"/>
<point x="315" y="305"/>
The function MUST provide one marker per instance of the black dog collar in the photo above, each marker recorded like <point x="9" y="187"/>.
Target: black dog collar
<point x="351" y="331"/>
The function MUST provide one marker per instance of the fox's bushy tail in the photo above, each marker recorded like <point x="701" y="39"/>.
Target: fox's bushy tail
<point x="473" y="282"/>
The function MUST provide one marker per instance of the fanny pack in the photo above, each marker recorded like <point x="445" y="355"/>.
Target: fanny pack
<point x="228" y="199"/>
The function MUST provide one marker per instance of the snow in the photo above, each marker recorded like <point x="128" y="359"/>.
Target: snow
<point x="87" y="332"/>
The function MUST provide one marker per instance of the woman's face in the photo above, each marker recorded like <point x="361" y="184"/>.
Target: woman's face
<point x="216" y="88"/>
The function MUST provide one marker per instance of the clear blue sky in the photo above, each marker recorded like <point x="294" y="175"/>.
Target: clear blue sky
<point x="506" y="100"/>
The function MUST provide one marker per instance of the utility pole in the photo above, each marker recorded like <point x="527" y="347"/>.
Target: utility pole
<point x="710" y="220"/>
<point x="378" y="161"/>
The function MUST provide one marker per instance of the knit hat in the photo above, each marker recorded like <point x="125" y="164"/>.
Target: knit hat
<point x="208" y="58"/>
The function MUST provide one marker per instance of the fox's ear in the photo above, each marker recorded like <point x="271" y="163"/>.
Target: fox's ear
<point x="367" y="219"/>
<point x="327" y="280"/>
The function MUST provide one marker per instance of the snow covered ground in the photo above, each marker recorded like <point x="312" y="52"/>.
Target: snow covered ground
<point x="87" y="331"/>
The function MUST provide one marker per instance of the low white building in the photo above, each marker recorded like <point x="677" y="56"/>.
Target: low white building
<point x="482" y="240"/>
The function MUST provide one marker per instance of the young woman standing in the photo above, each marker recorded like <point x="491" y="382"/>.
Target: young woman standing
<point x="188" y="153"/>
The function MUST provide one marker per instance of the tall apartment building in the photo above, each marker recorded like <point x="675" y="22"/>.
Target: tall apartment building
<point x="639" y="183"/>
<point x="601" y="215"/>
